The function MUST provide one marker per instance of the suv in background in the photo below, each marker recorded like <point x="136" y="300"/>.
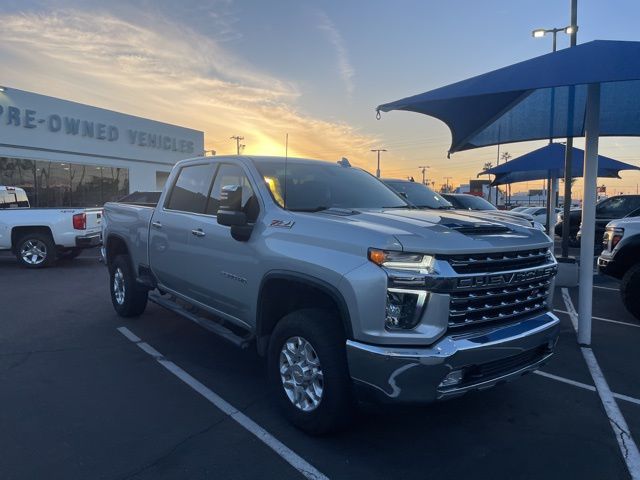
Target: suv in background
<point x="620" y="258"/>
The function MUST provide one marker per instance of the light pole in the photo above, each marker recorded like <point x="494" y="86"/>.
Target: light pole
<point x="570" y="30"/>
<point x="541" y="32"/>
<point x="378" y="150"/>
<point x="424" y="171"/>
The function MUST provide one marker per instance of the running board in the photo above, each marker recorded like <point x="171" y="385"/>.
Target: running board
<point x="211" y="325"/>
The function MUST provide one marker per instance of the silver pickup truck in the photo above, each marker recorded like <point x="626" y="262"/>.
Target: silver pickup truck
<point x="347" y="290"/>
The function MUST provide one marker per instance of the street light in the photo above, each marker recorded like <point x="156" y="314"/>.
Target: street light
<point x="541" y="32"/>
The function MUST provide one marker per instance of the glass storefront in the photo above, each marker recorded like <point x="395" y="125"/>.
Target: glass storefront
<point x="55" y="184"/>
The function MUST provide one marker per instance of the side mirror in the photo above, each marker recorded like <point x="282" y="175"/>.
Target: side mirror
<point x="230" y="218"/>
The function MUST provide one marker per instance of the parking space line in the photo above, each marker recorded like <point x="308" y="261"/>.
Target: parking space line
<point x="288" y="455"/>
<point x="591" y="388"/>
<point x="627" y="445"/>
<point x="605" y="288"/>
<point x="602" y="319"/>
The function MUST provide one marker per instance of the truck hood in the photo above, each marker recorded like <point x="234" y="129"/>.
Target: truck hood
<point x="446" y="231"/>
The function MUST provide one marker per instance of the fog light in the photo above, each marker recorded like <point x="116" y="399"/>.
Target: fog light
<point x="404" y="308"/>
<point x="454" y="378"/>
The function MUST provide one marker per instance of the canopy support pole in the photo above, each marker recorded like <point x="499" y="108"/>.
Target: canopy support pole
<point x="587" y="241"/>
<point x="551" y="209"/>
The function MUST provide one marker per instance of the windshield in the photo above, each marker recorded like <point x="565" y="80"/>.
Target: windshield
<point x="420" y="195"/>
<point x="471" y="202"/>
<point x="318" y="186"/>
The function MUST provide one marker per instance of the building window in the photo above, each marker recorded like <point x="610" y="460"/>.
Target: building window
<point x="56" y="184"/>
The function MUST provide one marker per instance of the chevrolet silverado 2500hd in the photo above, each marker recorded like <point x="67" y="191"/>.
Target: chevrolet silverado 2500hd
<point x="345" y="288"/>
<point x="40" y="236"/>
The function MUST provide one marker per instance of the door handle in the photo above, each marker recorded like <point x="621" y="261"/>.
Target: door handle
<point x="198" y="232"/>
<point x="156" y="224"/>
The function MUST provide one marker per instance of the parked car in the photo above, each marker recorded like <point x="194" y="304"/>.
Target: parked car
<point x="575" y="216"/>
<point x="40" y="236"/>
<point x="610" y="209"/>
<point x="519" y="209"/>
<point x="464" y="201"/>
<point x="620" y="258"/>
<point x="423" y="197"/>
<point x="539" y="214"/>
<point x="345" y="288"/>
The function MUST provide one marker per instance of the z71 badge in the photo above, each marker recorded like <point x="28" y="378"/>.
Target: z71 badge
<point x="282" y="223"/>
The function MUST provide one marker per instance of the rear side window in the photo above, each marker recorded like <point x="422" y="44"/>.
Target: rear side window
<point x="191" y="189"/>
<point x="13" y="199"/>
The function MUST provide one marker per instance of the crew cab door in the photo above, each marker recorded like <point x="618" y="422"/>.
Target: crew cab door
<point x="170" y="255"/>
<point x="224" y="271"/>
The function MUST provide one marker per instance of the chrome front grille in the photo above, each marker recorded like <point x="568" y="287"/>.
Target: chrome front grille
<point x="499" y="287"/>
<point x="498" y="261"/>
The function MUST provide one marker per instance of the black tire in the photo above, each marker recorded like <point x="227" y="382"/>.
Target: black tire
<point x="629" y="291"/>
<point x="324" y="332"/>
<point x="36" y="242"/>
<point x="69" y="254"/>
<point x="133" y="298"/>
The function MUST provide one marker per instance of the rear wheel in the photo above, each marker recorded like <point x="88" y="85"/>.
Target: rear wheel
<point x="129" y="299"/>
<point x="308" y="372"/>
<point x="629" y="290"/>
<point x="35" y="250"/>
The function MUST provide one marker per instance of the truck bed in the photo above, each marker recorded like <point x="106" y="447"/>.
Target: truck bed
<point x="130" y="221"/>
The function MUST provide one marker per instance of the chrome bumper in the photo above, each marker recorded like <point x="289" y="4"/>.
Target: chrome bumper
<point x="485" y="358"/>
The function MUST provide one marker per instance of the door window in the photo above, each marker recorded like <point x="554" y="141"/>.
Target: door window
<point x="191" y="190"/>
<point x="233" y="175"/>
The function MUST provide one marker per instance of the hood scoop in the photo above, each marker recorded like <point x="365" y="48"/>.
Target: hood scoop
<point x="479" y="228"/>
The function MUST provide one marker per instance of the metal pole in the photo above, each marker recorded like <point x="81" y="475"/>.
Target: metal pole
<point x="494" y="177"/>
<point x="378" y="169"/>
<point x="592" y="132"/>
<point x="568" y="156"/>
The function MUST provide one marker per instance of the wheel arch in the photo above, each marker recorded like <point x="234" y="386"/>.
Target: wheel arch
<point x="115" y="245"/>
<point x="18" y="232"/>
<point x="628" y="256"/>
<point x="282" y="292"/>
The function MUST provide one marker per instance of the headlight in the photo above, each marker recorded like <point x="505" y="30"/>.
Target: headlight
<point x="612" y="237"/>
<point x="402" y="261"/>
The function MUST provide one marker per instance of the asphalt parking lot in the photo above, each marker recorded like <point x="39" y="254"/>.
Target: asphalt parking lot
<point x="79" y="400"/>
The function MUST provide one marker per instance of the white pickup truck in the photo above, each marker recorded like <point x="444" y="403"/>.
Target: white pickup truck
<point x="40" y="236"/>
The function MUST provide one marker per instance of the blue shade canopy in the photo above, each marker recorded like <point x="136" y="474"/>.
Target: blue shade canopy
<point x="549" y="161"/>
<point x="543" y="97"/>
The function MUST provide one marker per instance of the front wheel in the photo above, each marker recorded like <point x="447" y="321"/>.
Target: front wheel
<point x="629" y="288"/>
<point x="308" y="372"/>
<point x="128" y="298"/>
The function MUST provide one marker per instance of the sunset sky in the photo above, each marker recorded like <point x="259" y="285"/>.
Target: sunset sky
<point x="313" y="69"/>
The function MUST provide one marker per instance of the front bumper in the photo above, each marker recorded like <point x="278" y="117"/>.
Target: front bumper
<point x="607" y="264"/>
<point x="89" y="240"/>
<point x="485" y="358"/>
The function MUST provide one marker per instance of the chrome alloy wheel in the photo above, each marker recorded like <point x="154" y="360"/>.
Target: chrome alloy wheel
<point x="301" y="374"/>
<point x="118" y="286"/>
<point x="33" y="252"/>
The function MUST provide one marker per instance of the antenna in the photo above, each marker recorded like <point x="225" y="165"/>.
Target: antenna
<point x="286" y="158"/>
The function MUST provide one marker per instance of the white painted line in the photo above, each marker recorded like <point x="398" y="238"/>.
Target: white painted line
<point x="591" y="388"/>
<point x="573" y="315"/>
<point x="606" y="288"/>
<point x="288" y="455"/>
<point x="627" y="445"/>
<point x="129" y="334"/>
<point x="604" y="319"/>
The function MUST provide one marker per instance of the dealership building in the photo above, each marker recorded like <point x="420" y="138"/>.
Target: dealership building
<point x="68" y="154"/>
